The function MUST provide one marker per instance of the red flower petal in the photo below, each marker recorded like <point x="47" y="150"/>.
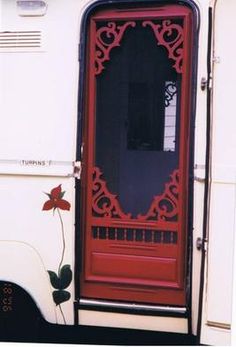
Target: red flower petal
<point x="63" y="204"/>
<point x="48" y="205"/>
<point x="55" y="192"/>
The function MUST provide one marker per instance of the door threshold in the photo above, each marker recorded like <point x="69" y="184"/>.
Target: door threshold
<point x="131" y="308"/>
<point x="87" y="316"/>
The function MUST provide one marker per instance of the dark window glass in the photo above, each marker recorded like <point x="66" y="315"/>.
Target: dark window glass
<point x="137" y="119"/>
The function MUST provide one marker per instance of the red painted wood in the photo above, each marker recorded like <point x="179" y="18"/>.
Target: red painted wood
<point x="123" y="270"/>
<point x="137" y="269"/>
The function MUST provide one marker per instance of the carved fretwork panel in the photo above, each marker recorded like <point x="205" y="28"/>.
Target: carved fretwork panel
<point x="105" y="204"/>
<point x="170" y="92"/>
<point x="107" y="38"/>
<point x="135" y="235"/>
<point x="170" y="35"/>
<point x="163" y="207"/>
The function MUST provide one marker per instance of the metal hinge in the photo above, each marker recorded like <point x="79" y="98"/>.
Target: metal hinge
<point x="77" y="169"/>
<point x="199" y="179"/>
<point x="206" y="83"/>
<point x="201" y="244"/>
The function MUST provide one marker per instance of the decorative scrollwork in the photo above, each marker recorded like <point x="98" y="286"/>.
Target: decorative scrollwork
<point x="165" y="206"/>
<point x="107" y="38"/>
<point x="169" y="35"/>
<point x="105" y="204"/>
<point x="170" y="92"/>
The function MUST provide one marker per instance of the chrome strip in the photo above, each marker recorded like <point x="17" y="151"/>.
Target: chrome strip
<point x="219" y="325"/>
<point x="112" y="304"/>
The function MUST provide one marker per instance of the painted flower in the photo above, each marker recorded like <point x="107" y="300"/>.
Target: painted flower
<point x="56" y="201"/>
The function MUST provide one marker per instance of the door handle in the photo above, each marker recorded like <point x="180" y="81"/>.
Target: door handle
<point x="77" y="169"/>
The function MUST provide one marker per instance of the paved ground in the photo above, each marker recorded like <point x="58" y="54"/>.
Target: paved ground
<point x="37" y="330"/>
<point x="23" y="323"/>
<point x="88" y="335"/>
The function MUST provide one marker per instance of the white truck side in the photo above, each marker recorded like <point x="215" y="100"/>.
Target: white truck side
<point x="39" y="81"/>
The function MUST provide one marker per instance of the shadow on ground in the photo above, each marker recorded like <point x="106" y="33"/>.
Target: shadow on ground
<point x="48" y="333"/>
<point x="23" y="323"/>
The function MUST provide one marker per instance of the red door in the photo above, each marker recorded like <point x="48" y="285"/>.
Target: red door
<point x="136" y="149"/>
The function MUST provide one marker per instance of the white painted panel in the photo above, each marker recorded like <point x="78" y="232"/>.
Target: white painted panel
<point x="36" y="167"/>
<point x="216" y="337"/>
<point x="39" y="90"/>
<point x="23" y="221"/>
<point x="219" y="287"/>
<point x="127" y="321"/>
<point x="217" y="303"/>
<point x="24" y="266"/>
<point x="233" y="337"/>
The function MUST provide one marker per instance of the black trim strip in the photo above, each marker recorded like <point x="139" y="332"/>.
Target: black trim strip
<point x="207" y="173"/>
<point x="76" y="315"/>
<point x="193" y="96"/>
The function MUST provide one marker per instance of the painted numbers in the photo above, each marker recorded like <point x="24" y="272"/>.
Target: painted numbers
<point x="6" y="297"/>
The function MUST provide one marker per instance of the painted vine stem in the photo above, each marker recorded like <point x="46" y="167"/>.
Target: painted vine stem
<point x="62" y="279"/>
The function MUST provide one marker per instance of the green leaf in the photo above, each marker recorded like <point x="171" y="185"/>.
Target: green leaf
<point x="55" y="281"/>
<point x="60" y="296"/>
<point x="62" y="194"/>
<point x="65" y="277"/>
<point x="63" y="280"/>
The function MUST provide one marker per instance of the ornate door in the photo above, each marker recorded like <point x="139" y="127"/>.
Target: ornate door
<point x="136" y="148"/>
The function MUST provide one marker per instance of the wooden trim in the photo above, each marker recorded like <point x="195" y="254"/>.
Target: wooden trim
<point x="171" y="12"/>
